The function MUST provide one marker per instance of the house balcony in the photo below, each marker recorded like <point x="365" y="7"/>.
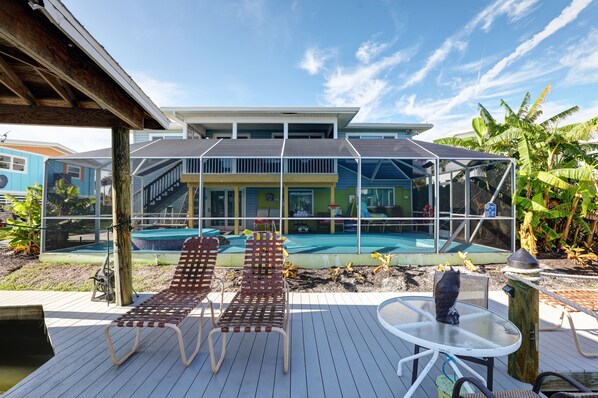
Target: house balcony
<point x="262" y="166"/>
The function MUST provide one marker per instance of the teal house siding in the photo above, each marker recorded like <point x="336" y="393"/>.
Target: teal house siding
<point x="18" y="181"/>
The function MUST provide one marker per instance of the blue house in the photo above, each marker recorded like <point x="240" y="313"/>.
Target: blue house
<point x="22" y="165"/>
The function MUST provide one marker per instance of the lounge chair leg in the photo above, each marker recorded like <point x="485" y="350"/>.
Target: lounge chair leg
<point x="557" y="327"/>
<point x="576" y="340"/>
<point x="111" y="347"/>
<point x="285" y="348"/>
<point x="216" y="366"/>
<point x="187" y="361"/>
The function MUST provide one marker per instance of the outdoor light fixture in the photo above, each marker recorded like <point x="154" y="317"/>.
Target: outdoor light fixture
<point x="509" y="290"/>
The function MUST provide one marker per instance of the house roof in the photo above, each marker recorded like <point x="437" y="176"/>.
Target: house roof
<point x="344" y="115"/>
<point x="39" y="147"/>
<point x="403" y="148"/>
<point x="56" y="73"/>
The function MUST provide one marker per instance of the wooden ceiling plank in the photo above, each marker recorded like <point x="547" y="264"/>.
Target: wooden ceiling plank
<point x="20" y="28"/>
<point x="77" y="117"/>
<point x="14" y="83"/>
<point x="62" y="89"/>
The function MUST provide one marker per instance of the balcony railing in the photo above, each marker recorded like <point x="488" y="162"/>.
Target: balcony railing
<point x="262" y="166"/>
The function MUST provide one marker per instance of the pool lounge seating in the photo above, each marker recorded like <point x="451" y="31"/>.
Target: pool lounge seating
<point x="365" y="213"/>
<point x="587" y="298"/>
<point x="262" y="304"/>
<point x="190" y="286"/>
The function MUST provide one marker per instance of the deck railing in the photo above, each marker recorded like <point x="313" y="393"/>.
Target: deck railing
<point x="262" y="166"/>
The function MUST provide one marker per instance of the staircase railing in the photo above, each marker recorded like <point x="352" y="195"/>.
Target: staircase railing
<point x="168" y="181"/>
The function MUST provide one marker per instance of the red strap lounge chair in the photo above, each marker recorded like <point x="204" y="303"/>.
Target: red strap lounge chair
<point x="262" y="304"/>
<point x="189" y="287"/>
<point x="587" y="298"/>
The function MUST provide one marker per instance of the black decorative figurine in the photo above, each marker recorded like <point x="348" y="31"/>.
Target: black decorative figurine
<point x="445" y="297"/>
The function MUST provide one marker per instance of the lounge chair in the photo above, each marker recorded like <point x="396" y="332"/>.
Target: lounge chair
<point x="262" y="304"/>
<point x="535" y="392"/>
<point x="365" y="213"/>
<point x="587" y="298"/>
<point x="189" y="287"/>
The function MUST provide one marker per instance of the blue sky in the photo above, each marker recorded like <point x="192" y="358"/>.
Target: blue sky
<point x="400" y="61"/>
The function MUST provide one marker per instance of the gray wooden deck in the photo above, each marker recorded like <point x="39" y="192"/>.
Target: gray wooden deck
<point x="337" y="349"/>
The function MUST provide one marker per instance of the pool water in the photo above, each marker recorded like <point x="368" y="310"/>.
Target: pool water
<point x="341" y="243"/>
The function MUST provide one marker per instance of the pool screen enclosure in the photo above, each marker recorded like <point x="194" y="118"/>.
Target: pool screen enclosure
<point x="439" y="195"/>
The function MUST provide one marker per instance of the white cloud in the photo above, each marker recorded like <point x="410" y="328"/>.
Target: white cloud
<point x="370" y="50"/>
<point x="582" y="59"/>
<point x="314" y="59"/>
<point x="362" y="86"/>
<point x="161" y="92"/>
<point x="568" y="15"/>
<point x="458" y="41"/>
<point x="521" y="9"/>
<point x="435" y="59"/>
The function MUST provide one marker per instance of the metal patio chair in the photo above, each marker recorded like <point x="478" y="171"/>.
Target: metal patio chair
<point x="534" y="393"/>
<point x="473" y="290"/>
<point x="190" y="286"/>
<point x="262" y="304"/>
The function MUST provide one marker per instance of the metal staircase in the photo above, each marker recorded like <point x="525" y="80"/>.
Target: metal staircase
<point x="164" y="190"/>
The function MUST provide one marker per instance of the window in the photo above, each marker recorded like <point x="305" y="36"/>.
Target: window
<point x="374" y="197"/>
<point x="299" y="135"/>
<point x="371" y="136"/>
<point x="302" y="202"/>
<point x="13" y="163"/>
<point x="73" y="171"/>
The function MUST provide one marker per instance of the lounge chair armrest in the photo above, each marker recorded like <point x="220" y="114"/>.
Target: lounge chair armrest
<point x="459" y="383"/>
<point x="219" y="282"/>
<point x="573" y="382"/>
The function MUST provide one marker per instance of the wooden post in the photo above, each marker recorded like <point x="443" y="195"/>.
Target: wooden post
<point x="524" y="313"/>
<point x="332" y="211"/>
<point x="191" y="210"/>
<point x="236" y="212"/>
<point x="286" y="210"/>
<point x="121" y="215"/>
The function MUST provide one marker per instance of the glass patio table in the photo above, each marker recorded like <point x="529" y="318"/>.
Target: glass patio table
<point x="480" y="333"/>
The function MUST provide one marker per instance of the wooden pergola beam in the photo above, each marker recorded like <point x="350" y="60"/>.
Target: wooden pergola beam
<point x="77" y="117"/>
<point x="63" y="90"/>
<point x="20" y="27"/>
<point x="9" y="78"/>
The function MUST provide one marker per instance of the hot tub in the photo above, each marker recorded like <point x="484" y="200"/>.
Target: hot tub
<point x="167" y="238"/>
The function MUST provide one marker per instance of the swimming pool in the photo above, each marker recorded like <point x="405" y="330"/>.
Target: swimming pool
<point x="166" y="238"/>
<point x="341" y="243"/>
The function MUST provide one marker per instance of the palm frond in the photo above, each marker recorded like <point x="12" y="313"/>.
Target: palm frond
<point x="528" y="205"/>
<point x="524" y="105"/>
<point x="535" y="111"/>
<point x="467" y="143"/>
<point x="581" y="174"/>
<point x="488" y="119"/>
<point x="552" y="180"/>
<point x="559" y="116"/>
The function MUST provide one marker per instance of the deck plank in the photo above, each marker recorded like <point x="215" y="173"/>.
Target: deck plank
<point x="338" y="348"/>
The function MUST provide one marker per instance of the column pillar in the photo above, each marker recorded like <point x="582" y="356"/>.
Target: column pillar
<point x="121" y="215"/>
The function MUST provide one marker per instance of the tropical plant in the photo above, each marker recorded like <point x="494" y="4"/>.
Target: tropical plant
<point x="385" y="260"/>
<point x="555" y="183"/>
<point x="24" y="229"/>
<point x="66" y="200"/>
